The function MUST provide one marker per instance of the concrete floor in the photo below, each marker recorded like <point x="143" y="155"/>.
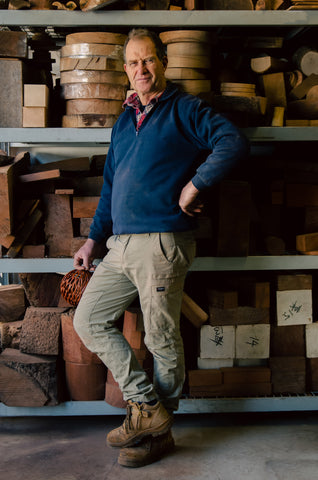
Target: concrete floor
<point x="280" y="446"/>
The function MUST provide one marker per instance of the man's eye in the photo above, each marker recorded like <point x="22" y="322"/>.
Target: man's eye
<point x="133" y="64"/>
<point x="149" y="61"/>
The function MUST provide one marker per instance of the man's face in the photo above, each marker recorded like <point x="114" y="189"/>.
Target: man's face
<point x="143" y="67"/>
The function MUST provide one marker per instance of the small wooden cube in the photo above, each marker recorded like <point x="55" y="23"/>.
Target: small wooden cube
<point x="36" y="95"/>
<point x="34" y="117"/>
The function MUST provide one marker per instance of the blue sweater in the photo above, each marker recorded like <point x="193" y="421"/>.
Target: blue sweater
<point x="182" y="138"/>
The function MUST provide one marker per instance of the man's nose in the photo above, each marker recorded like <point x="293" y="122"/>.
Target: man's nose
<point x="142" y="67"/>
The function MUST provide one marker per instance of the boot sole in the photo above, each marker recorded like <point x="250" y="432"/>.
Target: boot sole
<point x="143" y="433"/>
<point x="130" y="463"/>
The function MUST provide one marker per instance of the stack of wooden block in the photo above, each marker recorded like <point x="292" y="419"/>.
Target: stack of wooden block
<point x="36" y="104"/>
<point x="93" y="78"/>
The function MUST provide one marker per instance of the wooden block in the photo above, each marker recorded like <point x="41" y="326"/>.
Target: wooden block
<point x="42" y="289"/>
<point x="85" y="207"/>
<point x="94" y="76"/>
<point x="95" y="49"/>
<point x="9" y="175"/>
<point x="185" y="36"/>
<point x="13" y="44"/>
<point x="40" y="176"/>
<point x="28" y="380"/>
<point x="222" y="299"/>
<point x="182" y="73"/>
<point x="190" y="61"/>
<point x="73" y="348"/>
<point x="234" y="203"/>
<point x="133" y="329"/>
<point x="312" y="93"/>
<point x="206" y="391"/>
<point x="312" y="372"/>
<point x="311" y="220"/>
<point x="294" y="282"/>
<point x="194" y="87"/>
<point x="274" y="88"/>
<point x="41" y="330"/>
<point x="306" y="59"/>
<point x="7" y="241"/>
<point x="278" y="121"/>
<point x="212" y="363"/>
<point x="85" y="225"/>
<point x="294" y="307"/>
<point x="187" y="48"/>
<point x="36" y="95"/>
<point x="312" y="340"/>
<point x="255" y="106"/>
<point x="238" y="316"/>
<point x="217" y="341"/>
<point x="307" y="109"/>
<point x="12" y="302"/>
<point x="300" y="91"/>
<point x="58" y="225"/>
<point x="247" y="389"/>
<point x="91" y="186"/>
<point x="255" y="294"/>
<point x="77" y="164"/>
<point x="246" y="375"/>
<point x="33" y="251"/>
<point x="11" y="75"/>
<point x="301" y="195"/>
<point x="268" y="64"/>
<point x="85" y="382"/>
<point x="77" y="243"/>
<point x="35" y="117"/>
<point x="114" y="396"/>
<point x="307" y="242"/>
<point x="89" y="120"/>
<point x="91" y="63"/>
<point x="192" y="311"/>
<point x="252" y="341"/>
<point x="10" y="334"/>
<point x="64" y="191"/>
<point x="95" y="37"/>
<point x="288" y="374"/>
<point x="288" y="341"/>
<point x="199" y="378"/>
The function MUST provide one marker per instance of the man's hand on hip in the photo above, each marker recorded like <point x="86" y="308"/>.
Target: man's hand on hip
<point x="188" y="201"/>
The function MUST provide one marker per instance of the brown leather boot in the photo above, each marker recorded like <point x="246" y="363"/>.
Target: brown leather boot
<point x="149" y="450"/>
<point x="141" y="420"/>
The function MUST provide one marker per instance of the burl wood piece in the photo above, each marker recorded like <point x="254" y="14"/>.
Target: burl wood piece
<point x="13" y="44"/>
<point x="58" y="225"/>
<point x="10" y="334"/>
<point x="42" y="289"/>
<point x="11" y="75"/>
<point x="41" y="330"/>
<point x="12" y="302"/>
<point x="28" y="380"/>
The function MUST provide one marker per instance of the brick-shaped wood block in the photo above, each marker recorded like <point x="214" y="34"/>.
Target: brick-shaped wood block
<point x="41" y="330"/>
<point x="288" y="341"/>
<point x="234" y="203"/>
<point x="85" y="207"/>
<point x="294" y="307"/>
<point x="288" y="374"/>
<point x="246" y="375"/>
<point x="312" y="374"/>
<point x="73" y="348"/>
<point x="58" y="225"/>
<point x="85" y="382"/>
<point x="307" y="242"/>
<point x="35" y="117"/>
<point x="252" y="341"/>
<point x="294" y="282"/>
<point x="12" y="302"/>
<point x="217" y="341"/>
<point x="222" y="299"/>
<point x="198" y="378"/>
<point x="11" y="102"/>
<point x="28" y="380"/>
<point x="238" y="316"/>
<point x="13" y="44"/>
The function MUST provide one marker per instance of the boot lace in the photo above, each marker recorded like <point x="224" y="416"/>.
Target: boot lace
<point x="128" y="424"/>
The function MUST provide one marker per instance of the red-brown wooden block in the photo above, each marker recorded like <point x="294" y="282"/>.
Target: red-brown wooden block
<point x="288" y="374"/>
<point x="85" y="382"/>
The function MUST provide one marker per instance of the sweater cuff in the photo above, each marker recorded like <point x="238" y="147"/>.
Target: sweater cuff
<point x="198" y="183"/>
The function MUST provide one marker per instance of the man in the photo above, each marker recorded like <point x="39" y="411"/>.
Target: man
<point x="153" y="174"/>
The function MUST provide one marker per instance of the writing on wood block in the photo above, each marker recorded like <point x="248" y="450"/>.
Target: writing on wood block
<point x="312" y="340"/>
<point x="252" y="341"/>
<point x="294" y="307"/>
<point x="217" y="341"/>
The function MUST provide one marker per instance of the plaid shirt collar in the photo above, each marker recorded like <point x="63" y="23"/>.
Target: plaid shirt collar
<point x="141" y="111"/>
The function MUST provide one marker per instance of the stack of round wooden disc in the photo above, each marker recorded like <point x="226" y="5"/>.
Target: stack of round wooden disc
<point x="238" y="89"/>
<point x="189" y="60"/>
<point x="93" y="78"/>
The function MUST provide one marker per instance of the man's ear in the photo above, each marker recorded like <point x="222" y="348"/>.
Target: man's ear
<point x="125" y="67"/>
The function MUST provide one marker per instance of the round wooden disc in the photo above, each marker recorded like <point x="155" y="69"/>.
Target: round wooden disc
<point x="94" y="90"/>
<point x="111" y="51"/>
<point x="91" y="63"/>
<point x="195" y="86"/>
<point x="234" y="89"/>
<point x="97" y="106"/>
<point x="85" y="76"/>
<point x="238" y="94"/>
<point x="185" y="74"/>
<point x="194" y="61"/>
<point x="185" y="36"/>
<point x="95" y="37"/>
<point x="89" y="121"/>
<point x="188" y="48"/>
<point x="312" y="93"/>
<point x="238" y="85"/>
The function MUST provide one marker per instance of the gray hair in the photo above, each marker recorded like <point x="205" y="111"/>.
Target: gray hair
<point x="145" y="33"/>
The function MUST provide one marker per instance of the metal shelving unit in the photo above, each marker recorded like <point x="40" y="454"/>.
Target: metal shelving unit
<point x="55" y="22"/>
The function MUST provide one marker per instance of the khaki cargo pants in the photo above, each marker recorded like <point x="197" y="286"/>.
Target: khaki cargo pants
<point x="154" y="267"/>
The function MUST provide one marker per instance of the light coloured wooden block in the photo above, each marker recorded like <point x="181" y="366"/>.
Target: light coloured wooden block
<point x="312" y="340"/>
<point x="36" y="95"/>
<point x="217" y="341"/>
<point x="294" y="307"/>
<point x="210" y="363"/>
<point x="252" y="341"/>
<point x="34" y="117"/>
